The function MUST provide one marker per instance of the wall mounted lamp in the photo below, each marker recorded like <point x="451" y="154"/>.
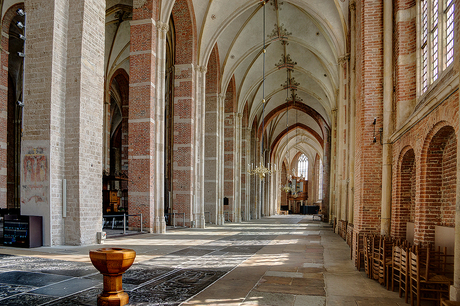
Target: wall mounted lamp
<point x="373" y="123"/>
<point x="374" y="140"/>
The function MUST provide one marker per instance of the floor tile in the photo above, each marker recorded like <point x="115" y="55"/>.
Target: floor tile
<point x="31" y="278"/>
<point x="67" y="287"/>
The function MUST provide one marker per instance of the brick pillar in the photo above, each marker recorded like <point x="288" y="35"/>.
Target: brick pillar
<point x="238" y="168"/>
<point x="244" y="170"/>
<point x="212" y="143"/>
<point x="63" y="118"/>
<point x="245" y="177"/>
<point x="232" y="120"/>
<point x="369" y="105"/>
<point x="325" y="204"/>
<point x="146" y="118"/>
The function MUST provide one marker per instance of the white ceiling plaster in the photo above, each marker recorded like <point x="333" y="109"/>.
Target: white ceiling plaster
<point x="317" y="39"/>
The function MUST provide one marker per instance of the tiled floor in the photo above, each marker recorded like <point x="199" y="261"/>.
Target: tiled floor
<point x="281" y="260"/>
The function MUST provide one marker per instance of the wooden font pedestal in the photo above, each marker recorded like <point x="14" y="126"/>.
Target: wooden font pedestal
<point x="112" y="263"/>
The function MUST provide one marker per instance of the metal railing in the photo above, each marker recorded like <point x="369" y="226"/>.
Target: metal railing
<point x="174" y="218"/>
<point x="209" y="216"/>
<point x="227" y="216"/>
<point x="105" y="217"/>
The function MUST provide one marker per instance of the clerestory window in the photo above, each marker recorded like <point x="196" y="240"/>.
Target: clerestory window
<point x="437" y="39"/>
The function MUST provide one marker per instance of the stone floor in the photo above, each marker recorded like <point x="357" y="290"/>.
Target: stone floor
<point x="280" y="260"/>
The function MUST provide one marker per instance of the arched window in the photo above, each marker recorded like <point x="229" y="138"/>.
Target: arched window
<point x="437" y="39"/>
<point x="302" y="166"/>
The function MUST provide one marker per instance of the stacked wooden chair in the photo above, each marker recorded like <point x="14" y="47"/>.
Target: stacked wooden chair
<point x="429" y="276"/>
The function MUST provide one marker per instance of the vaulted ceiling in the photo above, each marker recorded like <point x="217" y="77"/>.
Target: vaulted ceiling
<point x="304" y="40"/>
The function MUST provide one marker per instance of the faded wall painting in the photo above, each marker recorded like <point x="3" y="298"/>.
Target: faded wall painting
<point x="35" y="179"/>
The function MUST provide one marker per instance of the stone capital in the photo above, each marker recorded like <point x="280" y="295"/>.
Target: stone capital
<point x="240" y="115"/>
<point x="162" y="26"/>
<point x="344" y="59"/>
<point x="201" y="69"/>
<point x="352" y="6"/>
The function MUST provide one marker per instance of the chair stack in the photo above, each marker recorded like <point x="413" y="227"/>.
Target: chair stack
<point x="418" y="273"/>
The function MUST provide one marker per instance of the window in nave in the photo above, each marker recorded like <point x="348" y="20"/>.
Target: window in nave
<point x="437" y="39"/>
<point x="302" y="166"/>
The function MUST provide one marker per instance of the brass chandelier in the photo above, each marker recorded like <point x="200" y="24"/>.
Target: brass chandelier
<point x="261" y="170"/>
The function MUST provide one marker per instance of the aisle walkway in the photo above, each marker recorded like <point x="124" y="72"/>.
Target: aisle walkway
<point x="281" y="260"/>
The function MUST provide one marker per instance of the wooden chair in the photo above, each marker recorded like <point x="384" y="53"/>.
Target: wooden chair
<point x="385" y="260"/>
<point x="404" y="274"/>
<point x="358" y="241"/>
<point x="368" y="251"/>
<point x="377" y="242"/>
<point x="423" y="283"/>
<point x="396" y="266"/>
<point x="445" y="302"/>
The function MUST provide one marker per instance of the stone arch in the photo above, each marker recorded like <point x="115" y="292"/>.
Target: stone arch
<point x="403" y="210"/>
<point x="294" y="126"/>
<point x="437" y="195"/>
<point x="284" y="181"/>
<point x="185" y="26"/>
<point x="10" y="93"/>
<point x="184" y="170"/>
<point x="295" y="106"/>
<point x="118" y="132"/>
<point x="315" y="180"/>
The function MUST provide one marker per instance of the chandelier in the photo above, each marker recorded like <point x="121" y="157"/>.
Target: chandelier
<point x="261" y="170"/>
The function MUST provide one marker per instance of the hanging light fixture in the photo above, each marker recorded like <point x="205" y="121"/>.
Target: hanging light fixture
<point x="287" y="186"/>
<point x="261" y="170"/>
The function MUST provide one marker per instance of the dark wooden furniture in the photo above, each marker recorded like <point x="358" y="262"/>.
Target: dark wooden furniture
<point x="22" y="231"/>
<point x="424" y="284"/>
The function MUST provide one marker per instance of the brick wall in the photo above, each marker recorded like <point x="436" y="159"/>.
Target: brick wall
<point x="403" y="208"/>
<point x="404" y="59"/>
<point x="184" y="170"/>
<point x="369" y="96"/>
<point x="212" y="139"/>
<point x="142" y="78"/>
<point x="430" y="185"/>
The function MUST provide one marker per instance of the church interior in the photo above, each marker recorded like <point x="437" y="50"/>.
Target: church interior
<point x="172" y="117"/>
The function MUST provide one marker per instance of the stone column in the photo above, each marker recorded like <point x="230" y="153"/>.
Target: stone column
<point x="221" y="158"/>
<point x="333" y="178"/>
<point x="200" y="112"/>
<point x="351" y="142"/>
<point x="159" y="225"/>
<point x="387" y="116"/>
<point x="455" y="288"/>
<point x="63" y="118"/>
<point x="342" y="161"/>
